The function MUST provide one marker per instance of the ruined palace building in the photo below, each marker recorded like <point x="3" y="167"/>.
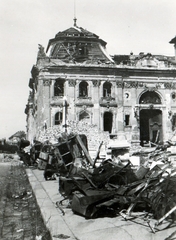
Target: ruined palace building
<point x="131" y="95"/>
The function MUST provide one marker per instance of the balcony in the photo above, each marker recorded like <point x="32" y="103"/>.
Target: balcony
<point x="108" y="102"/>
<point x="57" y="101"/>
<point x="84" y="101"/>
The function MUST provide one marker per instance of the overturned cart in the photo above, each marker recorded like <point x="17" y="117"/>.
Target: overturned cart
<point x="113" y="188"/>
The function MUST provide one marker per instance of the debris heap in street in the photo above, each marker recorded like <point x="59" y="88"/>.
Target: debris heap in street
<point x="111" y="186"/>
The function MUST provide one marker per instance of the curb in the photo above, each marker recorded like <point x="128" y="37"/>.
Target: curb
<point x="52" y="217"/>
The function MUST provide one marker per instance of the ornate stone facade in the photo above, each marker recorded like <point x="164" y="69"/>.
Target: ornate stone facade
<point x="133" y="95"/>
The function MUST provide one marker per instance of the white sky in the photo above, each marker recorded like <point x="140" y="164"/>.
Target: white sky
<point x="126" y="25"/>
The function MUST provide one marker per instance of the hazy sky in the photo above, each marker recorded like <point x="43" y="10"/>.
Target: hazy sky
<point x="126" y="25"/>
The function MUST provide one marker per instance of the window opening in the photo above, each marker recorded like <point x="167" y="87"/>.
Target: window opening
<point x="127" y="120"/>
<point x="83" y="89"/>
<point x="150" y="97"/>
<point x="174" y="122"/>
<point x="82" y="49"/>
<point x="59" y="88"/>
<point x="108" y="117"/>
<point x="107" y="89"/>
<point x="58" y="118"/>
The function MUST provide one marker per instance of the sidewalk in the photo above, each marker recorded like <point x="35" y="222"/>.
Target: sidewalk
<point x="71" y="226"/>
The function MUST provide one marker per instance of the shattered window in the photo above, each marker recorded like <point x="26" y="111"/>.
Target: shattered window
<point x="59" y="87"/>
<point x="58" y="118"/>
<point x="83" y="89"/>
<point x="150" y="97"/>
<point x="107" y="89"/>
<point x="82" y="49"/>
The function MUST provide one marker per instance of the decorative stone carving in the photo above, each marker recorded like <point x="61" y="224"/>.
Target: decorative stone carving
<point x="127" y="85"/>
<point x="84" y="107"/>
<point x="130" y="84"/>
<point x="127" y="95"/>
<point x="71" y="83"/>
<point x="134" y="84"/>
<point x="46" y="82"/>
<point x="174" y="85"/>
<point x="151" y="89"/>
<point x="41" y="51"/>
<point x="140" y="84"/>
<point x="173" y="96"/>
<point x="168" y="85"/>
<point x="96" y="83"/>
<point x="119" y="84"/>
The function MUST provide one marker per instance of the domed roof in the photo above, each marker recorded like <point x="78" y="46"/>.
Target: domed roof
<point x="77" y="45"/>
<point x="75" y="33"/>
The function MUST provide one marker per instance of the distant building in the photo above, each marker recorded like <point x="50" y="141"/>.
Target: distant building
<point x="16" y="137"/>
<point x="129" y="95"/>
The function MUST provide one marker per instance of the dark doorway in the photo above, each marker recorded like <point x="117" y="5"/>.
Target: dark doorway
<point x="108" y="121"/>
<point x="151" y="126"/>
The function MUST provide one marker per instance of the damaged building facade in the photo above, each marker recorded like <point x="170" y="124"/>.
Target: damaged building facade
<point x="133" y="96"/>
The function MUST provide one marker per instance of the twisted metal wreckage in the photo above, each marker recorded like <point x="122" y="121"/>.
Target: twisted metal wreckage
<point x="111" y="187"/>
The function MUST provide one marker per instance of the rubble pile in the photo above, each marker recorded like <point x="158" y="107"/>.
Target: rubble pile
<point x="94" y="136"/>
<point x="113" y="187"/>
<point x="51" y="134"/>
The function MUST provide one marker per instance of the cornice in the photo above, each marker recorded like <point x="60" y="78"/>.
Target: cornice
<point x="46" y="82"/>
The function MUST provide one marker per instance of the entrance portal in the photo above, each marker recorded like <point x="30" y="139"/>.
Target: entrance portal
<point x="108" y="121"/>
<point x="150" y="126"/>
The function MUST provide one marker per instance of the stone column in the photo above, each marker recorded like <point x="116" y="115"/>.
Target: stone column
<point x="120" y="118"/>
<point x="46" y="103"/>
<point x="71" y="97"/>
<point x="167" y="116"/>
<point x="96" y="95"/>
<point x="30" y="124"/>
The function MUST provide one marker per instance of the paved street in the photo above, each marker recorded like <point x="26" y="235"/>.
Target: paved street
<point x="20" y="218"/>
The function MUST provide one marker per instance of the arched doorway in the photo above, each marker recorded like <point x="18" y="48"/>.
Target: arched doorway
<point x="151" y="126"/>
<point x="108" y="116"/>
<point x="150" y="118"/>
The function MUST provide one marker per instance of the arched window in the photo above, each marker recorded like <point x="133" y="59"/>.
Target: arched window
<point x="59" y="87"/>
<point x="58" y="118"/>
<point x="107" y="89"/>
<point x="150" y="97"/>
<point x="83" y="89"/>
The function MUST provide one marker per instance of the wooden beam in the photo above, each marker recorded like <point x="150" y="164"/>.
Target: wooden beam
<point x="81" y="144"/>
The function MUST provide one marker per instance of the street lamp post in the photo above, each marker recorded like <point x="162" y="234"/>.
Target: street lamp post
<point x="65" y="105"/>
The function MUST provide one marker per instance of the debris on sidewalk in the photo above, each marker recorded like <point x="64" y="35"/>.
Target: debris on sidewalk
<point x="128" y="182"/>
